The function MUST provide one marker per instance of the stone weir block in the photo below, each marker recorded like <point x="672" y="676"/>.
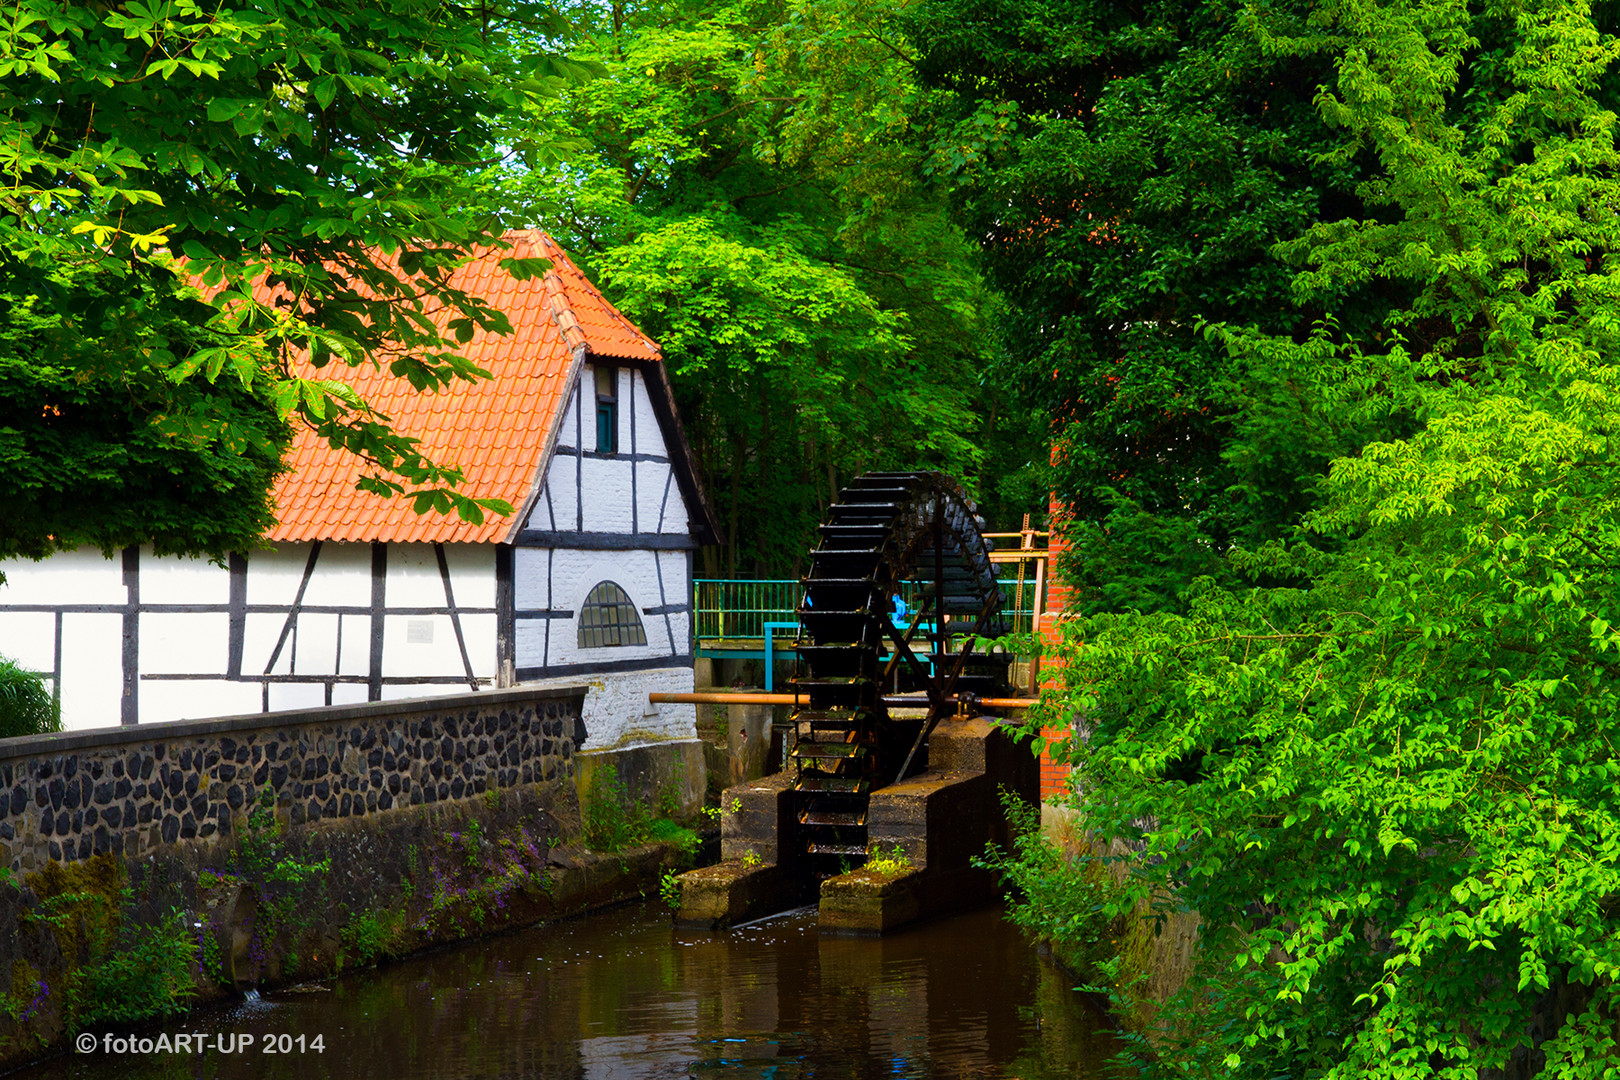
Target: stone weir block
<point x="130" y="791"/>
<point x="758" y="873"/>
<point x="933" y="824"/>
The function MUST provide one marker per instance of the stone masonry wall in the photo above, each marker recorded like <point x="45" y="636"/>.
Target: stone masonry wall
<point x="130" y="790"/>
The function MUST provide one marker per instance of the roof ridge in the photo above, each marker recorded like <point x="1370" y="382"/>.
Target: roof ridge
<point x="565" y="276"/>
<point x="562" y="312"/>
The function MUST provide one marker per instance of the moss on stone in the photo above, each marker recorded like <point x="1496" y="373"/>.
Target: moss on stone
<point x="24" y="979"/>
<point x="81" y="903"/>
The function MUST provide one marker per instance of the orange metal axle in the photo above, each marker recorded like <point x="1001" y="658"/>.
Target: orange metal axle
<point x="748" y="697"/>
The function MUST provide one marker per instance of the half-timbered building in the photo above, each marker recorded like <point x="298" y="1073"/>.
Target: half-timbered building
<point x="357" y="598"/>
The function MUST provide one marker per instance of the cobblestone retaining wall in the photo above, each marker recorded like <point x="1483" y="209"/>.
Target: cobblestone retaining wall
<point x="129" y="790"/>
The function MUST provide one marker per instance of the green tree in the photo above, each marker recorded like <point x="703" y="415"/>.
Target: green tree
<point x="324" y="148"/>
<point x="99" y="445"/>
<point x="746" y="191"/>
<point x="1375" y="755"/>
<point x="1129" y="168"/>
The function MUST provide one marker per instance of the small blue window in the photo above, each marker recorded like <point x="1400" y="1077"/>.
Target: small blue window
<point x="607" y="410"/>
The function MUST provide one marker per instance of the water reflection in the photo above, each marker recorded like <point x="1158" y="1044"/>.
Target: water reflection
<point x="621" y="994"/>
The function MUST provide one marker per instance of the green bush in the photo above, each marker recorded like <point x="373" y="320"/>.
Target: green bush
<point x="149" y="975"/>
<point x="26" y="707"/>
<point x="665" y="831"/>
<point x="612" y="819"/>
<point x="370" y="937"/>
<point x="1056" y="897"/>
<point x="888" y="863"/>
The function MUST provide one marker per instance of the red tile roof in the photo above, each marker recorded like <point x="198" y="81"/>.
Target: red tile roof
<point x="497" y="430"/>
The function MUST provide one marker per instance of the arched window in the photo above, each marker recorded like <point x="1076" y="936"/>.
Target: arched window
<point x="609" y="618"/>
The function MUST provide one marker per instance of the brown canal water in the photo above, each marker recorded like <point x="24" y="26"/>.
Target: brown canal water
<point x="624" y="994"/>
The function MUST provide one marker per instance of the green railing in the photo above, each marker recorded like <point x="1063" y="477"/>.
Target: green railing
<point x="738" y="609"/>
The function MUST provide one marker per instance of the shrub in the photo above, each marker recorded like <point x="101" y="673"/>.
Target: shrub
<point x="888" y="863"/>
<point x="1056" y="897"/>
<point x="26" y="707"/>
<point x="149" y="975"/>
<point x="612" y="820"/>
<point x="370" y="936"/>
<point x="669" y="889"/>
<point x="117" y="971"/>
<point x="684" y="840"/>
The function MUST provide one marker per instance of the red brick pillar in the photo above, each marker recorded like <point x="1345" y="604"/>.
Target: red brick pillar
<point x="1054" y="777"/>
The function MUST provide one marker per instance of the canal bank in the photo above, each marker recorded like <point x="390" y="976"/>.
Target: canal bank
<point x="623" y="993"/>
<point x="151" y="869"/>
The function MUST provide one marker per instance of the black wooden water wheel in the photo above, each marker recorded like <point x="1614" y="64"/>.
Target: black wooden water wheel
<point x="889" y="534"/>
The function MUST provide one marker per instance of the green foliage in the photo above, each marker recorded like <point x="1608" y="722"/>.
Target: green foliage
<point x="99" y="443"/>
<point x="746" y="192"/>
<point x="472" y="843"/>
<point x="716" y="813"/>
<point x="210" y="957"/>
<point x="81" y="903"/>
<point x="1374" y="753"/>
<point x="284" y="884"/>
<point x="612" y="819"/>
<point x="887" y="863"/>
<point x="116" y="971"/>
<point x="322" y="147"/>
<point x="1130" y="169"/>
<point x="1056" y="897"/>
<point x="262" y="856"/>
<point x="669" y="889"/>
<point x="149" y="974"/>
<point x="26" y="707"/>
<point x="682" y="839"/>
<point x="372" y="936"/>
<point x="465" y="881"/>
<point x="28" y="993"/>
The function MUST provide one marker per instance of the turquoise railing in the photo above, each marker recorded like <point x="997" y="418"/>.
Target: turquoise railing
<point x="738" y="609"/>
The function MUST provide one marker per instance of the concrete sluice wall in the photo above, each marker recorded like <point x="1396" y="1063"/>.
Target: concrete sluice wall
<point x="931" y="825"/>
<point x="207" y="857"/>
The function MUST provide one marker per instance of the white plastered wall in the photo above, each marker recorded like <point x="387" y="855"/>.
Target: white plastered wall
<point x="634" y="492"/>
<point x="182" y="632"/>
<point x="549" y="588"/>
<point x="617" y="714"/>
<point x="423" y="643"/>
<point x="627" y="495"/>
<point x="322" y="653"/>
<point x="557" y="581"/>
<point x="660" y="507"/>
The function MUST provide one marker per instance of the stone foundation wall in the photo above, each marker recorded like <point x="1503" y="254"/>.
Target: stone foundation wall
<point x="196" y="860"/>
<point x="267" y="907"/>
<point x="132" y="790"/>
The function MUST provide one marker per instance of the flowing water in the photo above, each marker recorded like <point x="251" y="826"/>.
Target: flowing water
<point x="623" y="994"/>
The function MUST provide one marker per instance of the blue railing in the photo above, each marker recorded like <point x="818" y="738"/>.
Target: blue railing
<point x="736" y="610"/>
